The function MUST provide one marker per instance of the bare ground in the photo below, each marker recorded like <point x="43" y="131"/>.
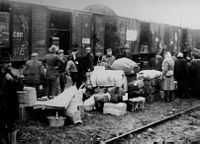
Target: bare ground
<point x="97" y="125"/>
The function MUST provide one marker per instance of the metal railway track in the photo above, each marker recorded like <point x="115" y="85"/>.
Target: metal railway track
<point x="149" y="125"/>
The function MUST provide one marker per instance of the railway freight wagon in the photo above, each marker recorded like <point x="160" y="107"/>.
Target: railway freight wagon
<point x="27" y="28"/>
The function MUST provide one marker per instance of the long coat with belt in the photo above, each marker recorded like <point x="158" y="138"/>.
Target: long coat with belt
<point x="168" y="75"/>
<point x="9" y="102"/>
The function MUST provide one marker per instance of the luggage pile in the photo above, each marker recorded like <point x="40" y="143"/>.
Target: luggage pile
<point x="136" y="88"/>
<point x="151" y="79"/>
<point x="108" y="93"/>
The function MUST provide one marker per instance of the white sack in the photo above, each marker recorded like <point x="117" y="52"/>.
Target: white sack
<point x="108" y="78"/>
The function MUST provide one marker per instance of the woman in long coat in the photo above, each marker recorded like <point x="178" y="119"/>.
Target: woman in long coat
<point x="168" y="76"/>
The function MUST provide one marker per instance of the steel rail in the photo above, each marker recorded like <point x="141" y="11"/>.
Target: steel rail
<point x="150" y="125"/>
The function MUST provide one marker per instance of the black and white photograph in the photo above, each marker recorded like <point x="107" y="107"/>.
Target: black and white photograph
<point x="99" y="72"/>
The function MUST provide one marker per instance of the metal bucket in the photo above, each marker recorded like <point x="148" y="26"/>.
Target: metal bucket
<point x="55" y="121"/>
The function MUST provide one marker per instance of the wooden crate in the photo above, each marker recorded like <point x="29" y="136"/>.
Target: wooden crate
<point x="136" y="104"/>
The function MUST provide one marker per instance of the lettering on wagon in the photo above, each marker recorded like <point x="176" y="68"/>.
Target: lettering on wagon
<point x="18" y="34"/>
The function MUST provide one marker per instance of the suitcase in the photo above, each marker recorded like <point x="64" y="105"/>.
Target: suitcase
<point x="136" y="104"/>
<point x="115" y="109"/>
<point x="135" y="85"/>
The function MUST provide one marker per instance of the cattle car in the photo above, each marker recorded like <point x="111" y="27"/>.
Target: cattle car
<point x="27" y="28"/>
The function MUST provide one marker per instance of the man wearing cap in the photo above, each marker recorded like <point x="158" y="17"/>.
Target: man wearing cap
<point x="181" y="75"/>
<point x="34" y="71"/>
<point x="62" y="66"/>
<point x="52" y="63"/>
<point x="9" y="85"/>
<point x="108" y="58"/>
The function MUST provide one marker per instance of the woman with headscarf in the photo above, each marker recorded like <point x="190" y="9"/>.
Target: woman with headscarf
<point x="168" y="76"/>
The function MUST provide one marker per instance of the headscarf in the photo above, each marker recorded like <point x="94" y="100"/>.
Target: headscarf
<point x="168" y="56"/>
<point x="180" y="55"/>
<point x="168" y="61"/>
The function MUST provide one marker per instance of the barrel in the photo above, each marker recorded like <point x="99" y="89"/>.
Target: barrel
<point x="27" y="97"/>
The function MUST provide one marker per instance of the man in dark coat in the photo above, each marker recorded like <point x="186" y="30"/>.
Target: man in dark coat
<point x="194" y="73"/>
<point x="79" y="65"/>
<point x="34" y="72"/>
<point x="9" y="85"/>
<point x="88" y="60"/>
<point x="52" y="62"/>
<point x="62" y="76"/>
<point x="181" y="75"/>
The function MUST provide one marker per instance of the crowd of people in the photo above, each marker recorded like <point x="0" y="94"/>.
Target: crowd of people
<point x="58" y="69"/>
<point x="179" y="68"/>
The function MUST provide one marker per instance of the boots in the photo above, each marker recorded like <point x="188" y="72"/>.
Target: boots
<point x="168" y="96"/>
<point x="12" y="137"/>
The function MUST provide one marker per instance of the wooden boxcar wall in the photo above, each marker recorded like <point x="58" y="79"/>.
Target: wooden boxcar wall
<point x="81" y="29"/>
<point x="30" y="25"/>
<point x="40" y="25"/>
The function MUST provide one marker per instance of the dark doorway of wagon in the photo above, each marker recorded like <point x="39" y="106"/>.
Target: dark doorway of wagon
<point x="145" y="38"/>
<point x="60" y="29"/>
<point x="105" y="28"/>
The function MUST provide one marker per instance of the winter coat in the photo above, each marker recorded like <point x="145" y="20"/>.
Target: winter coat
<point x="52" y="61"/>
<point x="88" y="61"/>
<point x="108" y="59"/>
<point x="168" y="74"/>
<point x="9" y="102"/>
<point x="71" y="67"/>
<point x="194" y="74"/>
<point x="34" y="71"/>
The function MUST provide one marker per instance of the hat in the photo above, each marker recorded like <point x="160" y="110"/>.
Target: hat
<point x="60" y="51"/>
<point x="34" y="54"/>
<point x="180" y="55"/>
<point x="6" y="58"/>
<point x="53" y="48"/>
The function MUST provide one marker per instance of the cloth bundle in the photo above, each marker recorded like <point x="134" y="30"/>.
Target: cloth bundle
<point x="149" y="74"/>
<point x="125" y="64"/>
<point x="108" y="78"/>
